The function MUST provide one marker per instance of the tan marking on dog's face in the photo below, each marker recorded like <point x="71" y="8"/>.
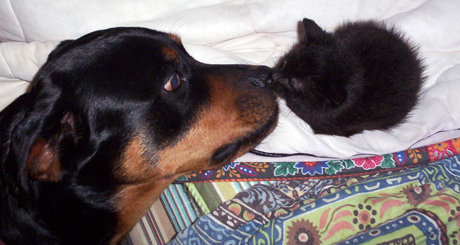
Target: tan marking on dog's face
<point x="134" y="167"/>
<point x="170" y="54"/>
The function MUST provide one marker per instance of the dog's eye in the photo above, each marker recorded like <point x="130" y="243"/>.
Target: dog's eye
<point x="173" y="83"/>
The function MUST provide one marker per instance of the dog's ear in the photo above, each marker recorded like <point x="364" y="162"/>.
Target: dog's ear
<point x="35" y="127"/>
<point x="311" y="32"/>
<point x="43" y="162"/>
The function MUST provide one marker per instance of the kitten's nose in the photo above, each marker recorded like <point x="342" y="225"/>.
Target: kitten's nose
<point x="262" y="76"/>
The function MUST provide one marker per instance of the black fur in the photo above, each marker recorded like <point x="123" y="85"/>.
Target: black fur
<point x="362" y="76"/>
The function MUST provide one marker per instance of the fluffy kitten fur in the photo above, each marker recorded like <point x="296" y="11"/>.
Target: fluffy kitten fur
<point x="362" y="76"/>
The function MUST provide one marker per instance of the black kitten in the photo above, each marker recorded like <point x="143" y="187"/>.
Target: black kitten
<point x="360" y="77"/>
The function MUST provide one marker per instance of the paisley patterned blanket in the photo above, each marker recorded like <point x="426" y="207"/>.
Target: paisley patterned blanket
<point x="416" y="205"/>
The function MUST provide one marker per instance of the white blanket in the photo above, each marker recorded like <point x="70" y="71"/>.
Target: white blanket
<point x="254" y="32"/>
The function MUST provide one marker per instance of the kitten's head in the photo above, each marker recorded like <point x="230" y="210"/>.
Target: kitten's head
<point x="305" y="62"/>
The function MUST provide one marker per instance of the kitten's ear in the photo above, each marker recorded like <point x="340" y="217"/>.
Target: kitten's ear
<point x="311" y="31"/>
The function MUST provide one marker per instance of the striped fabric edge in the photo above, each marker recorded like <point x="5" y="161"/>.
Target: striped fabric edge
<point x="152" y="229"/>
<point x="182" y="211"/>
<point x="173" y="212"/>
<point x="198" y="198"/>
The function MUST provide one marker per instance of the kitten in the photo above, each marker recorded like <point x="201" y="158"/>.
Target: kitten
<point x="362" y="76"/>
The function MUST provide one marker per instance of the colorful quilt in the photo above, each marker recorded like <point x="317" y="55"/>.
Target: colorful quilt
<point x="417" y="205"/>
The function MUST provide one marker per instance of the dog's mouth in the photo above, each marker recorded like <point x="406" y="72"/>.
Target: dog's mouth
<point x="226" y="153"/>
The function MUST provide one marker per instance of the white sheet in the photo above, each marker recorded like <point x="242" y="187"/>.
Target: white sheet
<point x="254" y="32"/>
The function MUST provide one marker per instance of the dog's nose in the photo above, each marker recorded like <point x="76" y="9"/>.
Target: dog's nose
<point x="261" y="76"/>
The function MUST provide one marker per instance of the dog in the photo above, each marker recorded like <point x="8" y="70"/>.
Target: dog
<point x="362" y="76"/>
<point x="111" y="119"/>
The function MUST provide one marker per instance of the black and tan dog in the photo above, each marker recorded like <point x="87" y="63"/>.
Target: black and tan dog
<point x="111" y="119"/>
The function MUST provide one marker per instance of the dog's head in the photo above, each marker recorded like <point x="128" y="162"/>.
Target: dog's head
<point x="113" y="117"/>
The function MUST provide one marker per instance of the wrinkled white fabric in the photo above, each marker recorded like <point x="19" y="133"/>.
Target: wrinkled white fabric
<point x="254" y="32"/>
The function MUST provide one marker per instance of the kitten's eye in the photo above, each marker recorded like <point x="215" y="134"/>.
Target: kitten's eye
<point x="173" y="83"/>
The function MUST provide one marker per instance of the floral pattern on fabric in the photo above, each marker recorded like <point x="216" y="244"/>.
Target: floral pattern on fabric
<point x="252" y="171"/>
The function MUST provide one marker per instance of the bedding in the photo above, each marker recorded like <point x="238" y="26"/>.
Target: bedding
<point x="259" y="32"/>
